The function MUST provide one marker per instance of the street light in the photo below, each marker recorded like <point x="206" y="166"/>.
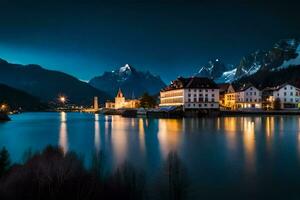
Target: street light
<point x="62" y="99"/>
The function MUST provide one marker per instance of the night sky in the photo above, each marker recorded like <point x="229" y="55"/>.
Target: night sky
<point x="169" y="38"/>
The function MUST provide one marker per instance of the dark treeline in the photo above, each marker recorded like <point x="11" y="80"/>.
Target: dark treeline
<point x="51" y="174"/>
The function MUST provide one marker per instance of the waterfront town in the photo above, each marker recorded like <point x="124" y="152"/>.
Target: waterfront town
<point x="196" y="93"/>
<point x="197" y="96"/>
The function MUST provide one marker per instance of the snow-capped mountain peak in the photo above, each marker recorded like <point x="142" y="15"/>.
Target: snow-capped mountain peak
<point x="125" y="68"/>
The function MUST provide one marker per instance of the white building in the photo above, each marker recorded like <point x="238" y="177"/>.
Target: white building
<point x="249" y="97"/>
<point x="288" y="95"/>
<point x="191" y="93"/>
<point x="245" y="97"/>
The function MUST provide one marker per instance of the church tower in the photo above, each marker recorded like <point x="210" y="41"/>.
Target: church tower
<point x="96" y="105"/>
<point x="119" y="99"/>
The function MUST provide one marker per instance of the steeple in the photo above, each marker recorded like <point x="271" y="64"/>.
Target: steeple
<point x="120" y="94"/>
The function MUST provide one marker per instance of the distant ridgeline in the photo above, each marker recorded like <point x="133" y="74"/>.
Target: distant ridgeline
<point x="132" y="82"/>
<point x="17" y="99"/>
<point x="47" y="84"/>
<point x="264" y="68"/>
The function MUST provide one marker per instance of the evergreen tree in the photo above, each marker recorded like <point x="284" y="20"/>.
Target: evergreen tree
<point x="4" y="161"/>
<point x="147" y="101"/>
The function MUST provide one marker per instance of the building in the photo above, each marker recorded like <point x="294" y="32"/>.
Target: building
<point x="96" y="105"/>
<point x="121" y="102"/>
<point x="287" y="96"/>
<point x="191" y="93"/>
<point x="245" y="97"/>
<point x="224" y="88"/>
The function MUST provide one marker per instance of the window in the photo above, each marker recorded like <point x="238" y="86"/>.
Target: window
<point x="291" y="100"/>
<point x="284" y="99"/>
<point x="195" y="99"/>
<point x="194" y="90"/>
<point x="212" y="90"/>
<point x="206" y="90"/>
<point x="189" y="100"/>
<point x="213" y="100"/>
<point x="284" y="88"/>
<point x="200" y="99"/>
<point x="212" y="105"/>
<point x="291" y="93"/>
<point x="291" y="87"/>
<point x="251" y="88"/>
<point x="189" y="95"/>
<point x="212" y="95"/>
<point x="200" y="105"/>
<point x="195" y="95"/>
<point x="205" y="105"/>
<point x="254" y="93"/>
<point x="246" y="99"/>
<point x="284" y="93"/>
<point x="206" y="99"/>
<point x="206" y="95"/>
<point x="194" y="105"/>
<point x="188" y="105"/>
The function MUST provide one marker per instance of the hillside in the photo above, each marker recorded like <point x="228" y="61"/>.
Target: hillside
<point x="17" y="99"/>
<point x="47" y="84"/>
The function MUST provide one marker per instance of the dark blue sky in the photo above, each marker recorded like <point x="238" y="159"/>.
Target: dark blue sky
<point x="166" y="37"/>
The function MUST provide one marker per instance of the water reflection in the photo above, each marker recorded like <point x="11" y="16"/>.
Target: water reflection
<point x="63" y="135"/>
<point x="97" y="133"/>
<point x="249" y="144"/>
<point x="169" y="134"/>
<point x="230" y="127"/>
<point x="119" y="136"/>
<point x="141" y="134"/>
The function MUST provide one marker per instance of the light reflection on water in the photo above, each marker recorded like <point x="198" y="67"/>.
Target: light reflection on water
<point x="221" y="147"/>
<point x="63" y="133"/>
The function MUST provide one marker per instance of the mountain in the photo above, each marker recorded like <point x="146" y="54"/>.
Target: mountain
<point x="272" y="78"/>
<point x="131" y="81"/>
<point x="47" y="84"/>
<point x="213" y="69"/>
<point x="18" y="99"/>
<point x="283" y="54"/>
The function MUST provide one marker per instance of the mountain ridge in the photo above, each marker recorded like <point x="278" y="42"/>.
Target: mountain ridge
<point x="48" y="84"/>
<point x="132" y="82"/>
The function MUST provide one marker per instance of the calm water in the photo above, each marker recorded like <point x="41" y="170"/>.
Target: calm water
<point x="242" y="157"/>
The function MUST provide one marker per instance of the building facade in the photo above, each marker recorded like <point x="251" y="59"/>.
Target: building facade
<point x="287" y="95"/>
<point x="191" y="93"/>
<point x="121" y="102"/>
<point x="245" y="97"/>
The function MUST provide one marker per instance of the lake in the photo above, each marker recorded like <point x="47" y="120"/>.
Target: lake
<point x="226" y="157"/>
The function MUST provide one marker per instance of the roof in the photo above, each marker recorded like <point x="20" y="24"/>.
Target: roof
<point x="120" y="94"/>
<point x="191" y="83"/>
<point x="223" y="87"/>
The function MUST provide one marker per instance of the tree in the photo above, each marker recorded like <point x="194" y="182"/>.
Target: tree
<point x="174" y="180"/>
<point x="147" y="101"/>
<point x="277" y="104"/>
<point x="4" y="161"/>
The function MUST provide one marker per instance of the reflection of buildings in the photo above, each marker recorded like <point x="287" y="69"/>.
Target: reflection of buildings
<point x="169" y="134"/>
<point x="63" y="135"/>
<point x="191" y="93"/>
<point x="97" y="133"/>
<point x="121" y="102"/>
<point x="249" y="144"/>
